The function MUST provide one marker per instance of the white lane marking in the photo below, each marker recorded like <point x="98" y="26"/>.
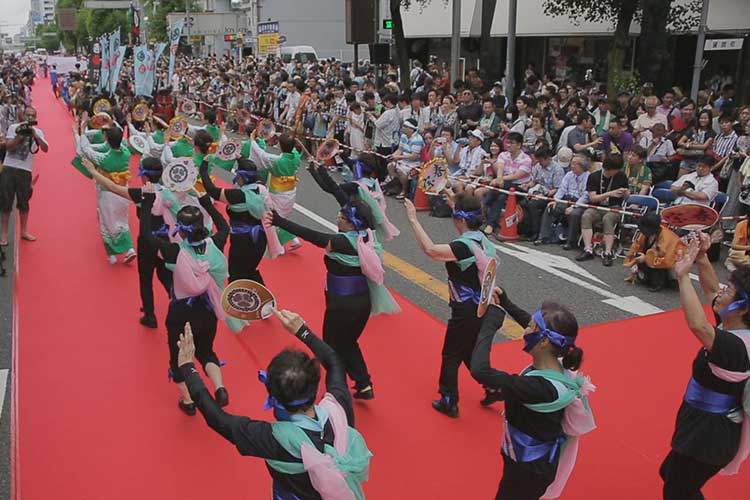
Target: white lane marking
<point x="3" y="386"/>
<point x="549" y="263"/>
<point x="317" y="218"/>
<point x="541" y="260"/>
<point x="556" y="261"/>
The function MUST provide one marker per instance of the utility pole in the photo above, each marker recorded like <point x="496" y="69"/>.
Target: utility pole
<point x="188" y="22"/>
<point x="510" y="58"/>
<point x="455" y="40"/>
<point x="699" y="44"/>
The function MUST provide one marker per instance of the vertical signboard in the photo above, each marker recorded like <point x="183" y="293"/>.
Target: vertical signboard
<point x="268" y="38"/>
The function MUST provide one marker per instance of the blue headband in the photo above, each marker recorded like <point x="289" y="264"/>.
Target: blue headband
<point x="737" y="304"/>
<point x="144" y="171"/>
<point x="248" y="176"/>
<point x="460" y="214"/>
<point x="350" y="213"/>
<point x="279" y="410"/>
<point x="361" y="169"/>
<point x="532" y="339"/>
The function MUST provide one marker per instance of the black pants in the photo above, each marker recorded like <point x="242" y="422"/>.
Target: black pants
<point x="684" y="476"/>
<point x="345" y="319"/>
<point x="535" y="209"/>
<point x="15" y="185"/>
<point x="558" y="214"/>
<point x="382" y="162"/>
<point x="148" y="262"/>
<point x="654" y="277"/>
<point x="245" y="256"/>
<point x="520" y="482"/>
<point x="203" y="323"/>
<point x="460" y="337"/>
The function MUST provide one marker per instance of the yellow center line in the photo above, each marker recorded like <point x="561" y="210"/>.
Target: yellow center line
<point x="439" y="288"/>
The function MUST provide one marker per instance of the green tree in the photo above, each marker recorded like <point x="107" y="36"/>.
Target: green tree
<point x="657" y="17"/>
<point x="48" y="37"/>
<point x="157" y="20"/>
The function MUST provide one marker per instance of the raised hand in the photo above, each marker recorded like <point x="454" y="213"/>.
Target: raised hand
<point x="686" y="258"/>
<point x="292" y="321"/>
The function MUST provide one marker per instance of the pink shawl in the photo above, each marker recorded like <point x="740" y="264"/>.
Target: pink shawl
<point x="744" y="449"/>
<point x="192" y="278"/>
<point x="326" y="478"/>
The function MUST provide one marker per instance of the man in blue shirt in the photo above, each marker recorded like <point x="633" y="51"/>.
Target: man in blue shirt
<point x="407" y="157"/>
<point x="53" y="79"/>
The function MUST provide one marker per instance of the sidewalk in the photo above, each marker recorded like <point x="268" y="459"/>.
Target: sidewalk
<point x="6" y="353"/>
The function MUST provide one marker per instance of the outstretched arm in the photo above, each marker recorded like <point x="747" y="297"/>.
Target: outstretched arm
<point x="335" y="373"/>
<point x="691" y="304"/>
<point x="317" y="238"/>
<point x="105" y="181"/>
<point x="323" y="179"/>
<point x="439" y="252"/>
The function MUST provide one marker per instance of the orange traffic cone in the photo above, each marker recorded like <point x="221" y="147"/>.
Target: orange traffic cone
<point x="421" y="202"/>
<point x="509" y="221"/>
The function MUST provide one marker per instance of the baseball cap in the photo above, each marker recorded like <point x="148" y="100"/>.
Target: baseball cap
<point x="478" y="134"/>
<point x="564" y="156"/>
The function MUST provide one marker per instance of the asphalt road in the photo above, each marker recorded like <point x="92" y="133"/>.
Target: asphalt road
<point x="529" y="274"/>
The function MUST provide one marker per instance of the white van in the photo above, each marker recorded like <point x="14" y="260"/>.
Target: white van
<point x="298" y="54"/>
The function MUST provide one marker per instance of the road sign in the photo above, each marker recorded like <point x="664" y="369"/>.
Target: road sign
<point x="723" y="44"/>
<point x="268" y="38"/>
<point x="210" y="23"/>
<point x="387" y="24"/>
<point x="282" y="39"/>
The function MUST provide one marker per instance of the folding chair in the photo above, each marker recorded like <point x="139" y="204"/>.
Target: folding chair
<point x="664" y="196"/>
<point x="628" y="226"/>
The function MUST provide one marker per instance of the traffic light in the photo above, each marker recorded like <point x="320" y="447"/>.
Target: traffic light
<point x="230" y="38"/>
<point x="387" y="24"/>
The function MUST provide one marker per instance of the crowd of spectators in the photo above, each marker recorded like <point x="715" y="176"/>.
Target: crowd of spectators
<point x="565" y="140"/>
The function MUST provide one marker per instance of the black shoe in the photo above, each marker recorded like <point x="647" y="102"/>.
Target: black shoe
<point x="148" y="321"/>
<point x="607" y="259"/>
<point x="444" y="406"/>
<point x="655" y="288"/>
<point x="540" y="242"/>
<point x="221" y="396"/>
<point x="567" y="247"/>
<point x="365" y="394"/>
<point x="584" y="256"/>
<point x="187" y="408"/>
<point x="491" y="397"/>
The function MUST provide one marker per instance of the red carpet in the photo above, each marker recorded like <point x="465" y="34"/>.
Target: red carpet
<point x="98" y="419"/>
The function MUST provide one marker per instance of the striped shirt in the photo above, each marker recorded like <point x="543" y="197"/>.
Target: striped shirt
<point x="724" y="143"/>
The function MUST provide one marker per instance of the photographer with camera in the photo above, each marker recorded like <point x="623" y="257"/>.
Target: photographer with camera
<point x="22" y="141"/>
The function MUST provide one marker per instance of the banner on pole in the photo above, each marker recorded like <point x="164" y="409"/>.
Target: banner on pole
<point x="114" y="54"/>
<point x="143" y="65"/>
<point x="175" y="32"/>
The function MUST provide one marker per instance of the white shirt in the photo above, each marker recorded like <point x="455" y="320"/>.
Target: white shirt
<point x="21" y="157"/>
<point x="469" y="159"/>
<point x="706" y="184"/>
<point x="656" y="152"/>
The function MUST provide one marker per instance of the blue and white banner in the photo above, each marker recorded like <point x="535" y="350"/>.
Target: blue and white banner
<point x="175" y="32"/>
<point x="158" y="51"/>
<point x="114" y="54"/>
<point x="104" y="78"/>
<point x="143" y="65"/>
<point x="118" y="59"/>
